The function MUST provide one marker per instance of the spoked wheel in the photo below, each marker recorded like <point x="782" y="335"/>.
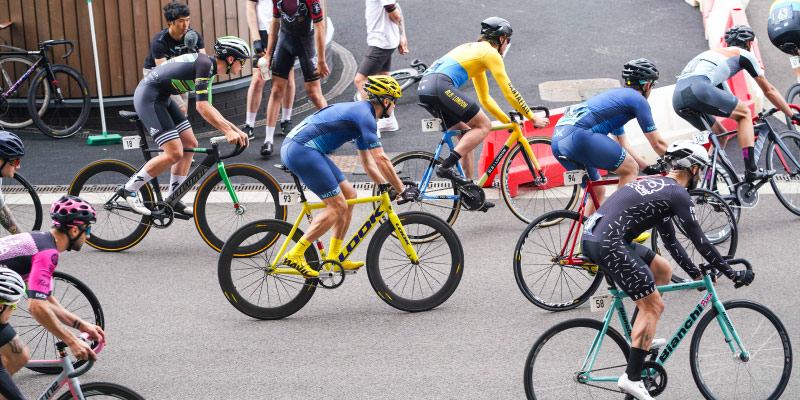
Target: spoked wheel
<point x="14" y="110"/>
<point x="100" y="390"/>
<point x="67" y="108"/>
<point x="217" y="217"/>
<point x="77" y="298"/>
<point x="792" y="97"/>
<point x="530" y="195"/>
<point x="415" y="286"/>
<point x="540" y="267"/>
<point x="718" y="223"/>
<point x="722" y="374"/>
<point x="725" y="186"/>
<point x="117" y="227"/>
<point x="553" y="367"/>
<point x="23" y="202"/>
<point x="786" y="182"/>
<point x="250" y="283"/>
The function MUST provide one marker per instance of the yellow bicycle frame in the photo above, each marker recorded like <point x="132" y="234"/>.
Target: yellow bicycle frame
<point x="385" y="209"/>
<point x="516" y="136"/>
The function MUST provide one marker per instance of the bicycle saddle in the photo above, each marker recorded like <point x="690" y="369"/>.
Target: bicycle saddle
<point x="282" y="168"/>
<point x="689" y="111"/>
<point x="5" y="25"/>
<point x="431" y="109"/>
<point x="578" y="164"/>
<point x="130" y="115"/>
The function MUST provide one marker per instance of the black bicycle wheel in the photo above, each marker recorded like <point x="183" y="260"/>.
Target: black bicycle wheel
<point x="792" y="97"/>
<point x="14" y="110"/>
<point x="718" y="223"/>
<point x="73" y="295"/>
<point x="249" y="282"/>
<point x="526" y="198"/>
<point x="721" y="374"/>
<point x="538" y="271"/>
<point x="786" y="183"/>
<point x="411" y="167"/>
<point x="67" y="108"/>
<point x="217" y="217"/>
<point x="117" y="227"/>
<point x="23" y="202"/>
<point x="724" y="184"/>
<point x="553" y="367"/>
<point x="423" y="285"/>
<point x="105" y="389"/>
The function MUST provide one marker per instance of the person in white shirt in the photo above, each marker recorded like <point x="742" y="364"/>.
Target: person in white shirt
<point x="385" y="33"/>
<point x="259" y="16"/>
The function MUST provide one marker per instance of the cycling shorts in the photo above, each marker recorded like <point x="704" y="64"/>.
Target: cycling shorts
<point x="7" y="333"/>
<point x="315" y="170"/>
<point x="162" y="118"/>
<point x="292" y="46"/>
<point x="594" y="150"/>
<point x="697" y="93"/>
<point x="438" y="91"/>
<point x="376" y="60"/>
<point x="628" y="265"/>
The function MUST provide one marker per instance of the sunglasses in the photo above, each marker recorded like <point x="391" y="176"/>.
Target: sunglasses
<point x="12" y="305"/>
<point x="15" y="162"/>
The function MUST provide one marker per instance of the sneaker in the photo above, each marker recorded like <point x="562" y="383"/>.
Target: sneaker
<point x="759" y="174"/>
<point x="642" y="238"/>
<point x="133" y="200"/>
<point x="633" y="388"/>
<point x="249" y="131"/>
<point x="182" y="208"/>
<point x="452" y="174"/>
<point x="266" y="149"/>
<point x="388" y="124"/>
<point x="286" y="126"/>
<point x="299" y="263"/>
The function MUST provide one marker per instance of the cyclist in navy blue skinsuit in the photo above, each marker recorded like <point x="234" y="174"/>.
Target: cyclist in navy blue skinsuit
<point x="304" y="153"/>
<point x="582" y="133"/>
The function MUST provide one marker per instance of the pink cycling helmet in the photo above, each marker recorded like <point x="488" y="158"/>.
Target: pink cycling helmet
<point x="71" y="211"/>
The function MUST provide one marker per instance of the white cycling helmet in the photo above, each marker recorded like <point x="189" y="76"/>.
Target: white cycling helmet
<point x="12" y="287"/>
<point x="685" y="154"/>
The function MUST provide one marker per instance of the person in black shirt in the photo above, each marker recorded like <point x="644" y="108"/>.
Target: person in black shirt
<point x="168" y="43"/>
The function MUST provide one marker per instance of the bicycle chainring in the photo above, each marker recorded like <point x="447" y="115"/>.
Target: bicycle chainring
<point x="655" y="379"/>
<point x="161" y="215"/>
<point x="472" y="196"/>
<point x="747" y="195"/>
<point x="331" y="274"/>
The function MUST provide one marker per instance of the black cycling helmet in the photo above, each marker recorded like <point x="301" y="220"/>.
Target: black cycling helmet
<point x="11" y="146"/>
<point x="739" y="35"/>
<point x="639" y="72"/>
<point x="495" y="28"/>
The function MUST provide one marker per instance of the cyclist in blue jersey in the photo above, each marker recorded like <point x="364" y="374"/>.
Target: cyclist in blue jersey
<point x="582" y="133"/>
<point x="304" y="153"/>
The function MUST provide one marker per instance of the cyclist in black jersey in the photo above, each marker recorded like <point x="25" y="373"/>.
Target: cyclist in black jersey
<point x="168" y="125"/>
<point x="636" y="208"/>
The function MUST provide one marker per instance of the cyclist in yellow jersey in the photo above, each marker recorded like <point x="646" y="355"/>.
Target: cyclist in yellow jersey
<point x="439" y="88"/>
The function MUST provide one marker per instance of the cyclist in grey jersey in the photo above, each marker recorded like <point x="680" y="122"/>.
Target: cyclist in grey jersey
<point x="701" y="87"/>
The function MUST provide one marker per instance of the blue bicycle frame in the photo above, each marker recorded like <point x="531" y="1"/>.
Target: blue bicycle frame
<point x="447" y="138"/>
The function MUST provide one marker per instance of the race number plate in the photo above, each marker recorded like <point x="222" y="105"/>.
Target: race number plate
<point x="288" y="198"/>
<point x="574" y="177"/>
<point x="795" y="60"/>
<point x="431" y="125"/>
<point x="131" y="142"/>
<point x="700" y="138"/>
<point x="601" y="303"/>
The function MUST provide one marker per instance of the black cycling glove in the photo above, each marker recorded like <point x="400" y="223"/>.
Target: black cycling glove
<point x="796" y="118"/>
<point x="410" y="193"/>
<point x="258" y="47"/>
<point x="743" y="278"/>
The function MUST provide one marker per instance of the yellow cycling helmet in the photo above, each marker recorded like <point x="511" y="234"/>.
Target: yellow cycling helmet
<point x="382" y="85"/>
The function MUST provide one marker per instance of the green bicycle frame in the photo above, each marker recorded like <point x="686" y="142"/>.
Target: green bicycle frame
<point x="731" y="336"/>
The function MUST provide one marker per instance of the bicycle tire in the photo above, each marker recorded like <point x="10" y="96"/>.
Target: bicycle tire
<point x="392" y="257"/>
<point x="534" y="201"/>
<point x="58" y="120"/>
<point x="725" y="186"/>
<point x="792" y="141"/>
<point x="410" y="167"/>
<point x="105" y="389"/>
<point x="17" y="117"/>
<point x="557" y="381"/>
<point x="96" y="183"/>
<point x="22" y="200"/>
<point x="724" y="236"/>
<point x="254" y="203"/>
<point x="270" y="233"/>
<point x="792" y="97"/>
<point x="568" y="275"/>
<point x="781" y="352"/>
<point x="81" y="302"/>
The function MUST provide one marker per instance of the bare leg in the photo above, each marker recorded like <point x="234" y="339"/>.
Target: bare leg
<point x="173" y="152"/>
<point x="644" y="328"/>
<point x="288" y="97"/>
<point x="254" y="92"/>
<point x="359" y="82"/>
<point x="314" y="90"/>
<point x="275" y="98"/>
<point x="334" y="213"/>
<point x="340" y="227"/>
<point x="188" y="141"/>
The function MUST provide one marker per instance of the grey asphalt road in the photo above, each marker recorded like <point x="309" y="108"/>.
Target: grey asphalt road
<point x="173" y="335"/>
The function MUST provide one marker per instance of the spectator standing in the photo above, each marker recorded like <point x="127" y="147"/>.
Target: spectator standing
<point x="259" y="17"/>
<point x="386" y="32"/>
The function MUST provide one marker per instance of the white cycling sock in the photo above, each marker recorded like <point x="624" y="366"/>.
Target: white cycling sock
<point x="270" y="134"/>
<point x="251" y="119"/>
<point x="286" y="114"/>
<point x="174" y="182"/>
<point x="137" y="181"/>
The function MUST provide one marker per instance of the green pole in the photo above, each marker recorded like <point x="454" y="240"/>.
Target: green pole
<point x="105" y="138"/>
